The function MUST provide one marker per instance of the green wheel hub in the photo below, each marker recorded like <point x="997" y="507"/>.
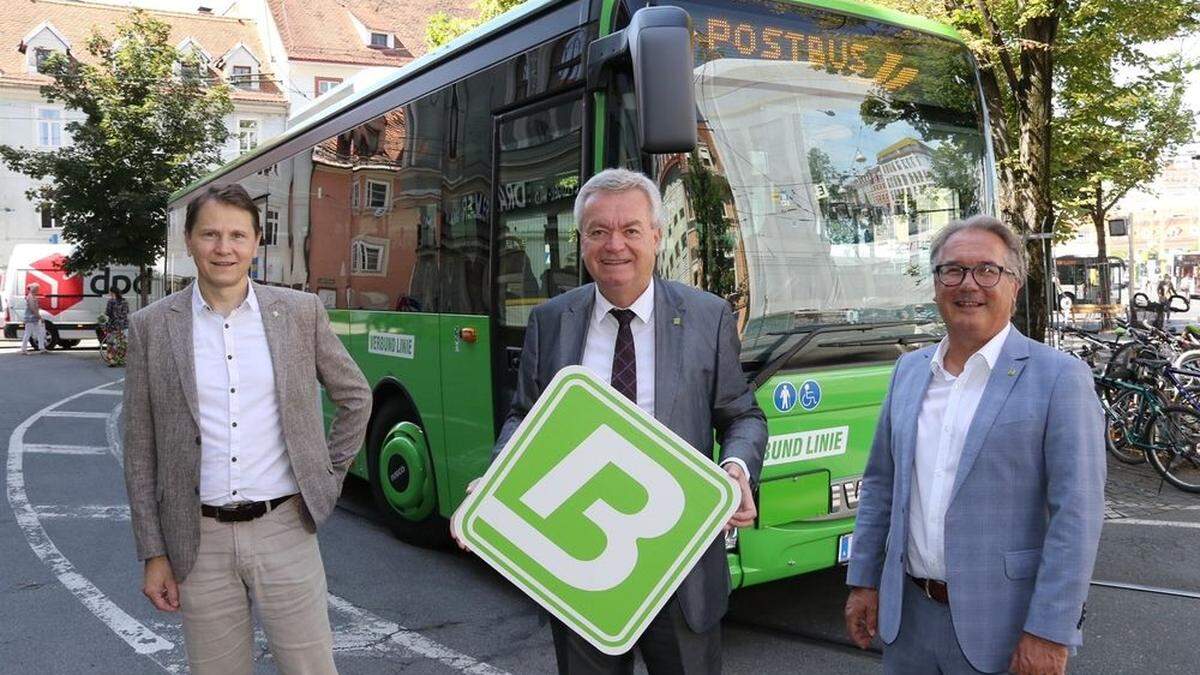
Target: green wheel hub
<point x="405" y="474"/>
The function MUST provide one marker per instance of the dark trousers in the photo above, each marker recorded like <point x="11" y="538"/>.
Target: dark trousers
<point x="669" y="647"/>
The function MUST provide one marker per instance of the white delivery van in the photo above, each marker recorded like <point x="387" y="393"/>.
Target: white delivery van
<point x="71" y="303"/>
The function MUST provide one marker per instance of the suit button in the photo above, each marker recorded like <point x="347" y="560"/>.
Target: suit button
<point x="197" y="440"/>
<point x="196" y="490"/>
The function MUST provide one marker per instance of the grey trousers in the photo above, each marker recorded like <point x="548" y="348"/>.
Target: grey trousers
<point x="669" y="647"/>
<point x="926" y="644"/>
<point x="272" y="563"/>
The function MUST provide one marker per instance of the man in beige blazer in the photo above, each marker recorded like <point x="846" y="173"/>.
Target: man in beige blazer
<point x="228" y="469"/>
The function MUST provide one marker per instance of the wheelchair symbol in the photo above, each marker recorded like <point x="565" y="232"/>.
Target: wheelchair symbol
<point x="810" y="395"/>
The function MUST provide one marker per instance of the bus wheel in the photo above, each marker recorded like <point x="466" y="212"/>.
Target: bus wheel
<point x="401" y="477"/>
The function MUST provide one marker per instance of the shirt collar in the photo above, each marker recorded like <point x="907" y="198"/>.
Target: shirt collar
<point x="199" y="305"/>
<point x="989" y="353"/>
<point x="643" y="307"/>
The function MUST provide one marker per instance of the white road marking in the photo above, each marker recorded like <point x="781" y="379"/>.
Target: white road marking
<point x="366" y="629"/>
<point x="65" y="449"/>
<point x="1155" y="523"/>
<point x="109" y="392"/>
<point x="141" y="639"/>
<point x="77" y="414"/>
<point x="88" y="512"/>
<point x="355" y="629"/>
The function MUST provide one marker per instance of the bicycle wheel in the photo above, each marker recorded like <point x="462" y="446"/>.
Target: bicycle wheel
<point x="1175" y="451"/>
<point x="1121" y="418"/>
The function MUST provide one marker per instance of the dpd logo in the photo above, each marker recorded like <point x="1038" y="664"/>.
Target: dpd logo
<point x="61" y="291"/>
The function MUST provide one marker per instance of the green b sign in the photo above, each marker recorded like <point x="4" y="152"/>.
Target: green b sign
<point x="596" y="510"/>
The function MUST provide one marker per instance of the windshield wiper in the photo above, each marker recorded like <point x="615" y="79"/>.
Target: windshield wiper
<point x="774" y="365"/>
<point x="915" y="338"/>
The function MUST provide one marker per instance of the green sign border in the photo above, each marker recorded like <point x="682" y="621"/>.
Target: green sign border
<point x="466" y="516"/>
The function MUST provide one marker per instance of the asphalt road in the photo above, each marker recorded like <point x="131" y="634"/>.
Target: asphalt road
<point x="69" y="599"/>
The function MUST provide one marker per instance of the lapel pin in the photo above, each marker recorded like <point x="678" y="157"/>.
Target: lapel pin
<point x="276" y="315"/>
<point x="1012" y="372"/>
<point x="677" y="321"/>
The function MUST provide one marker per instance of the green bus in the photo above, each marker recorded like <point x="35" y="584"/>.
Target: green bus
<point x="431" y="210"/>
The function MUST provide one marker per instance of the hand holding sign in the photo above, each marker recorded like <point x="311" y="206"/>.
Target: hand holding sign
<point x="597" y="511"/>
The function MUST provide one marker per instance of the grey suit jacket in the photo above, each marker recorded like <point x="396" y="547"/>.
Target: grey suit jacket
<point x="698" y="387"/>
<point x="1026" y="505"/>
<point x="162" y="434"/>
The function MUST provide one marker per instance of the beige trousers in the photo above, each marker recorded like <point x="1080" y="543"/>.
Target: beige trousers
<point x="272" y="563"/>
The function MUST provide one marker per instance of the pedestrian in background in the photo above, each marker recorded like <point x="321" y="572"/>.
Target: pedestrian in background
<point x="114" y="343"/>
<point x="35" y="325"/>
<point x="613" y="327"/>
<point x="983" y="496"/>
<point x="228" y="469"/>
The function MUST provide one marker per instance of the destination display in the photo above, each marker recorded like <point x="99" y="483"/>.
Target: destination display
<point x="840" y="44"/>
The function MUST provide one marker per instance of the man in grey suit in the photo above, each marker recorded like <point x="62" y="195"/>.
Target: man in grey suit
<point x="984" y="493"/>
<point x="673" y="350"/>
<point x="227" y="465"/>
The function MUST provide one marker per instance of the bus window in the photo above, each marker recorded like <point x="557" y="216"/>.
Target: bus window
<point x="466" y="193"/>
<point x="538" y="178"/>
<point x="371" y="219"/>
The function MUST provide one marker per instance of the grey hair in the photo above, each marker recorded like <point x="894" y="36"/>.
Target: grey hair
<point x="619" y="180"/>
<point x="1016" y="249"/>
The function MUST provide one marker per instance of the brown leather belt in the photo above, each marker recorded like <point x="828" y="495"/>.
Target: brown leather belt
<point x="239" y="513"/>
<point x="933" y="589"/>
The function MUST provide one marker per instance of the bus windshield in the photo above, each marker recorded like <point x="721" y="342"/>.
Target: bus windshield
<point x="830" y="150"/>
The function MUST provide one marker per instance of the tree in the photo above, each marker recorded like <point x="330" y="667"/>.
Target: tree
<point x="708" y="193"/>
<point x="1027" y="51"/>
<point x="1117" y="127"/>
<point x="151" y="126"/>
<point x="443" y="27"/>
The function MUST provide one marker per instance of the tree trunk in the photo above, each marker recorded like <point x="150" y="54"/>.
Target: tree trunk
<point x="1098" y="220"/>
<point x="993" y="100"/>
<point x="1035" y="206"/>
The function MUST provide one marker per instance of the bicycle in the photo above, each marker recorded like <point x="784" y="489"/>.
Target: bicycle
<point x="1167" y="435"/>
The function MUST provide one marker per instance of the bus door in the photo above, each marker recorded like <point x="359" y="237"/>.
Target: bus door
<point x="539" y="161"/>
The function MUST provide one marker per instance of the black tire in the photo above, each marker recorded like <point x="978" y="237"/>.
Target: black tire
<point x="51" y="336"/>
<point x="1176" y="452"/>
<point x="1120" y="416"/>
<point x="431" y="531"/>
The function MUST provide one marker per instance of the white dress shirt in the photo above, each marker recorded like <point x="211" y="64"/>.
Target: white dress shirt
<point x="601" y="345"/>
<point x="242" y="452"/>
<point x="601" y="342"/>
<point x="946" y="413"/>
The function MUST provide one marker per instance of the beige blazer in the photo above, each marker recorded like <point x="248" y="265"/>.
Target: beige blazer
<point x="162" y="433"/>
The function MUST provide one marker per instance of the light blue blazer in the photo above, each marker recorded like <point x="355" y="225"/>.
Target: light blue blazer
<point x="1025" y="509"/>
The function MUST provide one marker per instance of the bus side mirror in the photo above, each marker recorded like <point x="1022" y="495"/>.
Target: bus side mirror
<point x="657" y="45"/>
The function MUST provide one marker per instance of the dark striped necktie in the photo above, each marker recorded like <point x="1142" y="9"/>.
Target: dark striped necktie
<point x="624" y="368"/>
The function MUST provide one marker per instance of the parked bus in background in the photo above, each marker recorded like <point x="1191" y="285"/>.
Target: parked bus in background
<point x="1079" y="281"/>
<point x="432" y="212"/>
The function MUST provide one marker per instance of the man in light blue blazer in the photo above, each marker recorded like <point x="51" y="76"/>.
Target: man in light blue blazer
<point x="983" y="496"/>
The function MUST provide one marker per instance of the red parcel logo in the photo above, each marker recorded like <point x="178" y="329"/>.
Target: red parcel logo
<point x="59" y="290"/>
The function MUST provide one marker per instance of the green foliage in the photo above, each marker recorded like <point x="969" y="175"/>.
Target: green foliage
<point x="708" y="193"/>
<point x="443" y="27"/>
<point x="147" y="132"/>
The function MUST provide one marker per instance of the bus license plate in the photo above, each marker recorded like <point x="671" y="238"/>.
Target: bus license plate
<point x="845" y="542"/>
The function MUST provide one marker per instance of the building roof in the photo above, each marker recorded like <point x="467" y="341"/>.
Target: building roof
<point x="75" y="21"/>
<point x="324" y="30"/>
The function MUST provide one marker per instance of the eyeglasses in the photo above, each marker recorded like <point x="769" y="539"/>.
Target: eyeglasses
<point x="986" y="275"/>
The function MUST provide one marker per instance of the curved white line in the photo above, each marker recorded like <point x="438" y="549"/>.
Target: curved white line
<point x="143" y="640"/>
<point x="368" y="630"/>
